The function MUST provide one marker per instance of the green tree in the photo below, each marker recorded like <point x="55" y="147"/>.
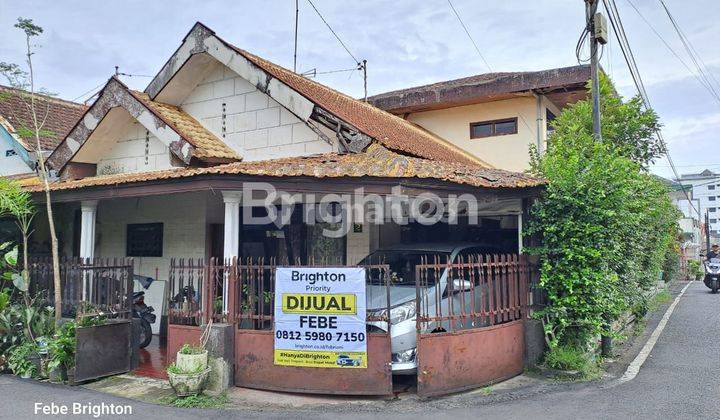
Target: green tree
<point x="604" y="222"/>
<point x="24" y="82"/>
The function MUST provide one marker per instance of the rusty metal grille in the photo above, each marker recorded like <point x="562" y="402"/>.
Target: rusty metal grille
<point x="186" y="285"/>
<point x="87" y="286"/>
<point x="197" y="291"/>
<point x="472" y="291"/>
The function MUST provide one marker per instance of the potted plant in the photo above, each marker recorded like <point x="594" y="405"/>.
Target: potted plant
<point x="188" y="374"/>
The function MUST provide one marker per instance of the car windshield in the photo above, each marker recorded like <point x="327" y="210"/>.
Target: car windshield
<point x="402" y="265"/>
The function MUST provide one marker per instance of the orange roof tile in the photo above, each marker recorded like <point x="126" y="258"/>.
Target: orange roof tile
<point x="207" y="146"/>
<point x="391" y="131"/>
<point x="377" y="161"/>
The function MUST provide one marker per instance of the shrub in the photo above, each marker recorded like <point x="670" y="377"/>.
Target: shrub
<point x="20" y="359"/>
<point x="695" y="270"/>
<point x="604" y="224"/>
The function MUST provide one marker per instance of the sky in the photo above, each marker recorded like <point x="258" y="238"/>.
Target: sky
<point x="405" y="42"/>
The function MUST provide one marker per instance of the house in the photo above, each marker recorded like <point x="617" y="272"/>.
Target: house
<point x="164" y="173"/>
<point x="496" y="116"/>
<point x="705" y="187"/>
<point x="18" y="155"/>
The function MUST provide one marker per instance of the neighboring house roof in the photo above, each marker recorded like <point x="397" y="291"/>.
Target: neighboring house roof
<point x="207" y="145"/>
<point x="186" y="138"/>
<point x="561" y="85"/>
<point x="387" y="129"/>
<point x="376" y="161"/>
<point x="61" y="116"/>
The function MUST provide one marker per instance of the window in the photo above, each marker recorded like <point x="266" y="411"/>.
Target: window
<point x="549" y="119"/>
<point x="713" y="220"/>
<point x="711" y="209"/>
<point x="145" y="240"/>
<point x="711" y="187"/>
<point x="10" y="152"/>
<point x="711" y="198"/>
<point x="493" y="128"/>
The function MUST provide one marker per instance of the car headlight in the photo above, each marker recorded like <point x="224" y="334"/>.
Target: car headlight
<point x="404" y="356"/>
<point x="402" y="312"/>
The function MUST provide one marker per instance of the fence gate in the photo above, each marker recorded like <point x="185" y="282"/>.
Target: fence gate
<point x="470" y="321"/>
<point x="251" y="287"/>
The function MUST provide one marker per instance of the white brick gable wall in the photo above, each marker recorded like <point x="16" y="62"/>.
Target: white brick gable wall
<point x="135" y="151"/>
<point x="255" y="125"/>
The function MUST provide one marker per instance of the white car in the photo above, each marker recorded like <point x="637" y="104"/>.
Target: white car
<point x="402" y="260"/>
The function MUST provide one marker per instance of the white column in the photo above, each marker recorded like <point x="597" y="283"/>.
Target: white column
<point x="88" y="211"/>
<point x="520" y="233"/>
<point x="231" y="235"/>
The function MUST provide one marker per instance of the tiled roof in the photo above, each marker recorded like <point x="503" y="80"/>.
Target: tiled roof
<point x="481" y="87"/>
<point x="62" y="116"/>
<point x="377" y="162"/>
<point x="207" y="145"/>
<point x="391" y="131"/>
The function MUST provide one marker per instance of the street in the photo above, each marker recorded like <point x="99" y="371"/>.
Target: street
<point x="678" y="380"/>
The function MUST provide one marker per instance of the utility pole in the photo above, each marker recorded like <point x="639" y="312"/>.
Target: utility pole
<point x="597" y="27"/>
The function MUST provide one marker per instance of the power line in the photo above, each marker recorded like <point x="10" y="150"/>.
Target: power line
<point x="89" y="91"/>
<point x="702" y="81"/>
<point x="468" y="34"/>
<point x="333" y="32"/>
<point x="692" y="52"/>
<point x="619" y="30"/>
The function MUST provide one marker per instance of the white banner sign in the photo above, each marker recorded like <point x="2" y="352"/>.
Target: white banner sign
<point x="320" y="317"/>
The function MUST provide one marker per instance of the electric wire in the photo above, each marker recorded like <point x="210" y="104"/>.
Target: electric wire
<point x="333" y="32"/>
<point x="692" y="52"/>
<point x="619" y="30"/>
<point x="457" y="15"/>
<point x="700" y="79"/>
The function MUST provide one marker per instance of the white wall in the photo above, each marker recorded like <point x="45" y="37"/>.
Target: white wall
<point x="510" y="152"/>
<point x="130" y="153"/>
<point x="10" y="165"/>
<point x="184" y="229"/>
<point x="256" y="126"/>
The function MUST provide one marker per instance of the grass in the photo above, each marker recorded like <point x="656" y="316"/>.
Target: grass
<point x="661" y="297"/>
<point x="487" y="391"/>
<point x="570" y="358"/>
<point x="197" y="401"/>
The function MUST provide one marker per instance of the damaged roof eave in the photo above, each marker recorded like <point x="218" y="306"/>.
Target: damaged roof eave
<point x="116" y="94"/>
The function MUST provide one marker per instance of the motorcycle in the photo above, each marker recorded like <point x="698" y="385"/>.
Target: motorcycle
<point x="712" y="274"/>
<point x="143" y="312"/>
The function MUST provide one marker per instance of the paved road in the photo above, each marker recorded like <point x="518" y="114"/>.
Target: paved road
<point x="680" y="379"/>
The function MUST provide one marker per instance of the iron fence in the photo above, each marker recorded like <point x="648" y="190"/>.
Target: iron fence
<point x="242" y="291"/>
<point x="87" y="286"/>
<point x="471" y="291"/>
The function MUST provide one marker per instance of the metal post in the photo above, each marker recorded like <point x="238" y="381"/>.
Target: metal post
<point x="591" y="8"/>
<point x="364" y="69"/>
<point x="297" y="12"/>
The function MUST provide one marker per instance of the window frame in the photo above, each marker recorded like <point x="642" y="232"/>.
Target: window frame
<point x="130" y="227"/>
<point x="493" y="131"/>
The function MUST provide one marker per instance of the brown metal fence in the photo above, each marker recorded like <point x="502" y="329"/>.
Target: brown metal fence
<point x="187" y="282"/>
<point x="87" y="286"/>
<point x="471" y="292"/>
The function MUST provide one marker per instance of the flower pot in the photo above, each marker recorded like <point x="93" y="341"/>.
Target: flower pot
<point x="192" y="362"/>
<point x="186" y="385"/>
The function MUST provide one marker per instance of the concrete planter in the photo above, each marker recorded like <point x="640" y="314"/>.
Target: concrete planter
<point x="186" y="385"/>
<point x="192" y="362"/>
